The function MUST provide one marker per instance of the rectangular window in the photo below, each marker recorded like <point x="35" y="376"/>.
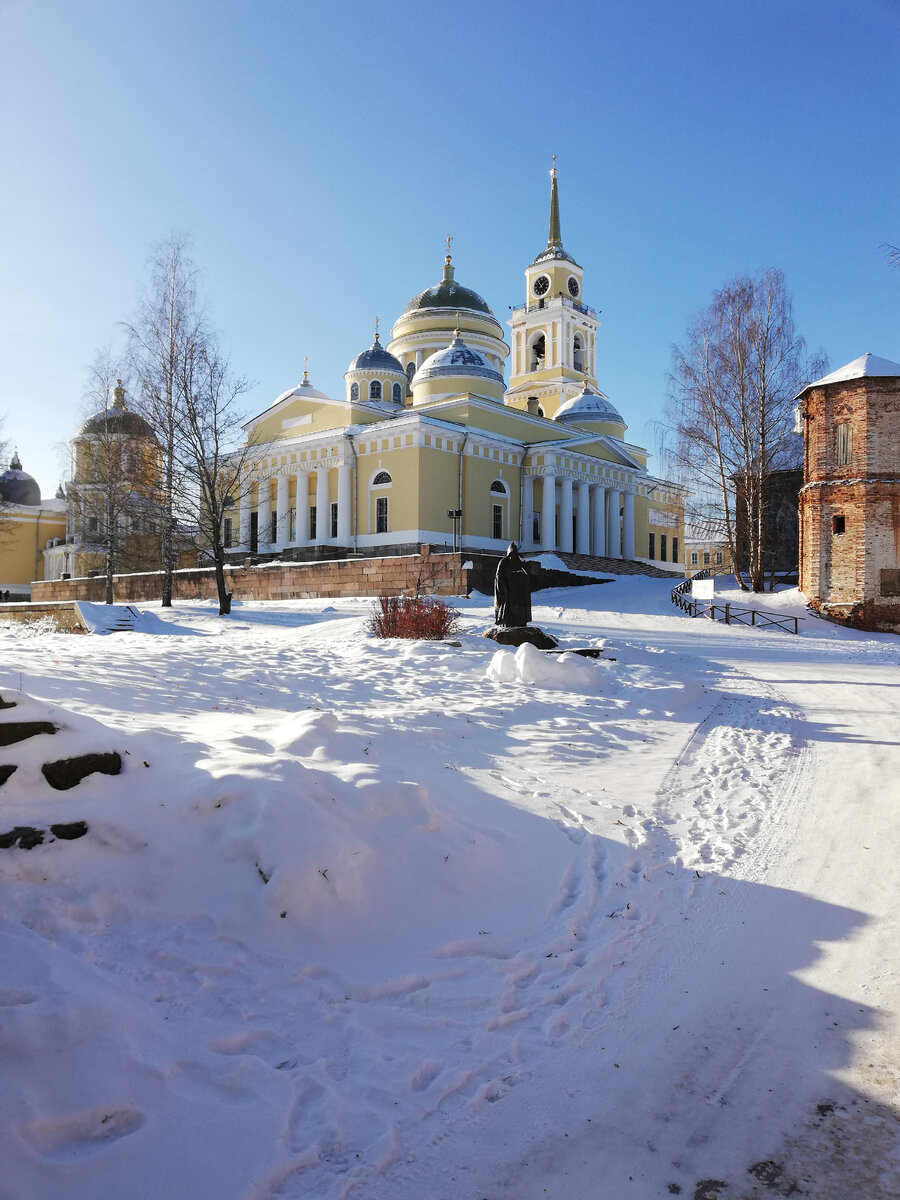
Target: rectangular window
<point x="334" y="520"/>
<point x="312" y="522"/>
<point x="838" y="523"/>
<point x="274" y="527"/>
<point x="706" y="558"/>
<point x="381" y="515"/>
<point x="497" y="523"/>
<point x="536" y="528"/>
<point x="662" y="547"/>
<point x="843" y="443"/>
<point x="695" y="558"/>
<point x="675" y="549"/>
<point x="292" y="524"/>
<point x="890" y="583"/>
<point x="720" y="558"/>
<point x="227" y="532"/>
<point x="652" y="551"/>
<point x="93" y="524"/>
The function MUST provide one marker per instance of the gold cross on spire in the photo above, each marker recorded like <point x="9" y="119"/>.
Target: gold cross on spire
<point x="553" y="168"/>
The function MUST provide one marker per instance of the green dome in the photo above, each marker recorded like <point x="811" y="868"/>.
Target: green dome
<point x="447" y="294"/>
<point x="116" y="421"/>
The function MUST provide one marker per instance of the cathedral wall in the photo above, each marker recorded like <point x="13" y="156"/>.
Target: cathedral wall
<point x="24" y="532"/>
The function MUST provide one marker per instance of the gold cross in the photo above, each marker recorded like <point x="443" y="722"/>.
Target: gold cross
<point x="376" y="329"/>
<point x="448" y="239"/>
<point x="553" y="169"/>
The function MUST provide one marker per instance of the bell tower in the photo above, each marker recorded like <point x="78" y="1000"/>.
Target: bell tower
<point x="554" y="334"/>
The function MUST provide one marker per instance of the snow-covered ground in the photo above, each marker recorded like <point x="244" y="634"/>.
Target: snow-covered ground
<point x="408" y="920"/>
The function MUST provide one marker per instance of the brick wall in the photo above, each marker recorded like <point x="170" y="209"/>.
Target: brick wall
<point x="434" y="573"/>
<point x="841" y="572"/>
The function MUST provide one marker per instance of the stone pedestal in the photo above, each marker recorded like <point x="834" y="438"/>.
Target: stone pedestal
<point x="517" y="635"/>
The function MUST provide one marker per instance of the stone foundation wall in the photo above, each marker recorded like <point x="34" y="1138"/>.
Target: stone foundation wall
<point x="431" y="573"/>
<point x="64" y="614"/>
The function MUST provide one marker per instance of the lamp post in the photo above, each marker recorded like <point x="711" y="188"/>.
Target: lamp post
<point x="455" y="515"/>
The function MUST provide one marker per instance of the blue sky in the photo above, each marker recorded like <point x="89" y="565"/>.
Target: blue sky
<point x="318" y="153"/>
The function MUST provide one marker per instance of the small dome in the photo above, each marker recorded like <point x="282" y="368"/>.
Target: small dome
<point x="447" y="294"/>
<point x="456" y="360"/>
<point x="17" y="486"/>
<point x="590" y="406"/>
<point x="376" y="358"/>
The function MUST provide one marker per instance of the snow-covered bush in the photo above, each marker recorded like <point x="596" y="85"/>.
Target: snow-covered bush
<point x="425" y="617"/>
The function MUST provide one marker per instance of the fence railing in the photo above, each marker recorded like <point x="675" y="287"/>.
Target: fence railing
<point x="681" y="592"/>
<point x="736" y="615"/>
<point x="731" y="614"/>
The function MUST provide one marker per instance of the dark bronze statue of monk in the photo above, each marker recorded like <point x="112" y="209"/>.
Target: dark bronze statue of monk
<point x="512" y="591"/>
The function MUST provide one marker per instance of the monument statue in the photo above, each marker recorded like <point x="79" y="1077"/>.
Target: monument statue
<point x="512" y="591"/>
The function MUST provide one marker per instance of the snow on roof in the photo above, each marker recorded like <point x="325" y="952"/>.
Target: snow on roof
<point x="866" y="365"/>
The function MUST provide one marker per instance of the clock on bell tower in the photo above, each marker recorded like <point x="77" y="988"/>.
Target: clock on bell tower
<point x="553" y="332"/>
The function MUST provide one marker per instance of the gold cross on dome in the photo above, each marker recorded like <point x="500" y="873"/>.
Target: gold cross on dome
<point x="376" y="329"/>
<point x="448" y="239"/>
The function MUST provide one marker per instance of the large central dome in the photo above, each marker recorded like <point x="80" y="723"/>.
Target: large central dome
<point x="448" y="294"/>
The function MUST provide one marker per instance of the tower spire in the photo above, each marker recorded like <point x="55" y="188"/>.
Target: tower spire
<point x="554" y="239"/>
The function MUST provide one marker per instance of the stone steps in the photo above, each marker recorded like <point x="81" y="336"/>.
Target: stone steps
<point x="608" y="566"/>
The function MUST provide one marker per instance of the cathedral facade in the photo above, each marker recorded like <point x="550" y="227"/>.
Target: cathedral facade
<point x="429" y="444"/>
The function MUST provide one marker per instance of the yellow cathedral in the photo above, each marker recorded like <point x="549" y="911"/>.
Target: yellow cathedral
<point x="429" y="445"/>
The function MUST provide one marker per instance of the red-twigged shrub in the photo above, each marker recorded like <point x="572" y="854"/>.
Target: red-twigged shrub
<point x="425" y="617"/>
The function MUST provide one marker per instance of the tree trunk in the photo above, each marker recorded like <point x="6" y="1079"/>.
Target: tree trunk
<point x="222" y="592"/>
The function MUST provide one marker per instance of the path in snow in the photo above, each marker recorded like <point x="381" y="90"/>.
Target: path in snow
<point x="510" y="941"/>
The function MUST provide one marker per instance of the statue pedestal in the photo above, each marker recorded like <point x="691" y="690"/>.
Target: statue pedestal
<point x="517" y="635"/>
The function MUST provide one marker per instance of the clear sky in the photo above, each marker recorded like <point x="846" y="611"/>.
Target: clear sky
<point x="319" y="152"/>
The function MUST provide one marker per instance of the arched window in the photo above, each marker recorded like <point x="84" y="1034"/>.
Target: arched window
<point x="410" y="370"/>
<point x="381" y="478"/>
<point x="499" y="486"/>
<point x="578" y="352"/>
<point x="354" y="391"/>
<point x="397" y="393"/>
<point x="375" y="389"/>
<point x="538" y="351"/>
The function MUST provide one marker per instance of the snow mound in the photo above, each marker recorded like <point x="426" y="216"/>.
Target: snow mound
<point x="114" y="618"/>
<point x="528" y="665"/>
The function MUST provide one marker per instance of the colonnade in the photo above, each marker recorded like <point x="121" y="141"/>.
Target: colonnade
<point x="593" y="518"/>
<point x="302" y="534"/>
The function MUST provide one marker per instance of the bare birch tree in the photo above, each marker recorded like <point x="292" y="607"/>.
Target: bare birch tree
<point x="214" y="455"/>
<point x="170" y="322"/>
<point x="729" y="412"/>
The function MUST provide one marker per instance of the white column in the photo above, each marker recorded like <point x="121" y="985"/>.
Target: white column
<point x="548" y="514"/>
<point x="244" y="521"/>
<point x="583" y="519"/>
<point x="613" y="530"/>
<point x="302" y="509"/>
<point x="263" y="510"/>
<point x="323" y="512"/>
<point x="282" y="529"/>
<point x="528" y="511"/>
<point x="628" y="527"/>
<point x="345" y="503"/>
<point x="565" y="516"/>
<point x="598" y="545"/>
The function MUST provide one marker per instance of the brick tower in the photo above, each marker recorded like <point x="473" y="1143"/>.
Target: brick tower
<point x="850" y="500"/>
